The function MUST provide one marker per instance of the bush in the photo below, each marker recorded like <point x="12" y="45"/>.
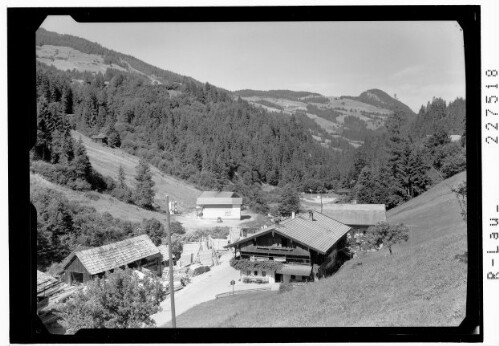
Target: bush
<point x="79" y="185"/>
<point x="200" y="270"/>
<point x="102" y="303"/>
<point x="124" y="195"/>
<point x="94" y="196"/>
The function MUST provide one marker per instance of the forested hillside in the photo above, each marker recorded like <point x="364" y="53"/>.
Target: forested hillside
<point x="341" y="123"/>
<point x="216" y="140"/>
<point x="44" y="37"/>
<point x="438" y="115"/>
<point x="398" y="165"/>
<point x="196" y="132"/>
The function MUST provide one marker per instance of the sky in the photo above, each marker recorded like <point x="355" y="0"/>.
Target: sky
<point x="414" y="60"/>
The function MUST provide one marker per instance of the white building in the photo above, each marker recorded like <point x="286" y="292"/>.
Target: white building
<point x="224" y="205"/>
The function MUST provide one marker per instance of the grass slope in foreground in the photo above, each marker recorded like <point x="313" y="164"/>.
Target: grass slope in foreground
<point x="422" y="284"/>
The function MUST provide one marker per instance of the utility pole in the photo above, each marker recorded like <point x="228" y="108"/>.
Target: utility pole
<point x="320" y="192"/>
<point x="170" y="262"/>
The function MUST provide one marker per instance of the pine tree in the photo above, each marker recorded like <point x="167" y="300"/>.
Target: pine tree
<point x="43" y="134"/>
<point x="121" y="178"/>
<point x="144" y="193"/>
<point x="113" y="137"/>
<point x="418" y="168"/>
<point x="290" y="201"/>
<point x="81" y="163"/>
<point x="67" y="100"/>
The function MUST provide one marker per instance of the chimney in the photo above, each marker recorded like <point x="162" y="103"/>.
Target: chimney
<point x="293" y="215"/>
<point x="311" y="215"/>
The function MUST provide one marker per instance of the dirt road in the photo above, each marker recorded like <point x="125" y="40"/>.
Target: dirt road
<point x="203" y="288"/>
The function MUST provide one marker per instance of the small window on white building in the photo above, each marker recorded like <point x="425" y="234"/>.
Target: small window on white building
<point x="248" y="272"/>
<point x="264" y="273"/>
<point x="256" y="272"/>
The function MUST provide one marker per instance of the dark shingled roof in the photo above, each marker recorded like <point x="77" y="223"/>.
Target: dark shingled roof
<point x="319" y="234"/>
<point x="107" y="257"/>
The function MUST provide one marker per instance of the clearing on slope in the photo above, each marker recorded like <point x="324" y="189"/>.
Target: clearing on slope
<point x="101" y="202"/>
<point x="107" y="161"/>
<point x="422" y="284"/>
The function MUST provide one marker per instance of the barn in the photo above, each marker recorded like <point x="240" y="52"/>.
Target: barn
<point x="138" y="252"/>
<point x="223" y="204"/>
<point x="358" y="216"/>
<point x="100" y="138"/>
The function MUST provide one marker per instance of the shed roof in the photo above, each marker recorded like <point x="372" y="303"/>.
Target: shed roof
<point x="319" y="234"/>
<point x="99" y="136"/>
<point x="219" y="197"/>
<point x="107" y="257"/>
<point x="356" y="214"/>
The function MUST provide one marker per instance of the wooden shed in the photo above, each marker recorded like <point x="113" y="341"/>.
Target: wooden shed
<point x="358" y="216"/>
<point x="100" y="138"/>
<point x="136" y="252"/>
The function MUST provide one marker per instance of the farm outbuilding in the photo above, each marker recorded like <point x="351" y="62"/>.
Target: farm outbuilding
<point x="215" y="204"/>
<point x="357" y="216"/>
<point x="100" y="138"/>
<point x="138" y="252"/>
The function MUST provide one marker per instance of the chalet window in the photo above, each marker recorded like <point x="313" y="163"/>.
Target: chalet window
<point x="264" y="273"/>
<point x="256" y="272"/>
<point x="293" y="277"/>
<point x="248" y="272"/>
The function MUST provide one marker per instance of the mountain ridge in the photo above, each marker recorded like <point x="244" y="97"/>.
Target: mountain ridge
<point x="335" y="122"/>
<point x="380" y="98"/>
